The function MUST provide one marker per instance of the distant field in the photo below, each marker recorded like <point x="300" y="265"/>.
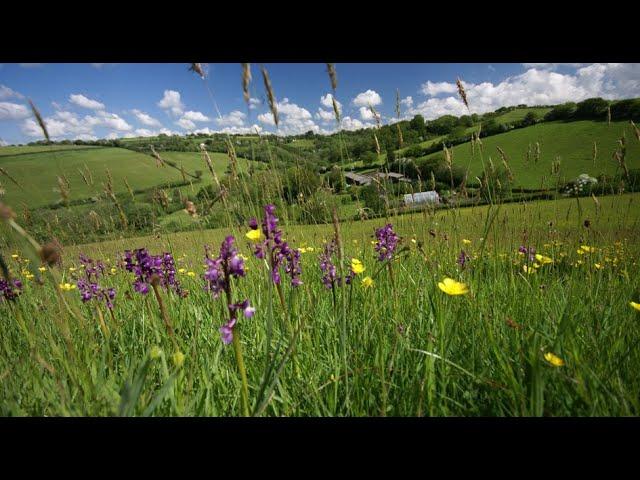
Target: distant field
<point x="193" y="161"/>
<point x="572" y="142"/>
<point x="38" y="173"/>
<point x="520" y="113"/>
<point x="6" y="151"/>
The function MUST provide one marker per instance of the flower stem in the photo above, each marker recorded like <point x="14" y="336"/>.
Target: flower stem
<point x="244" y="392"/>
<point x="163" y="310"/>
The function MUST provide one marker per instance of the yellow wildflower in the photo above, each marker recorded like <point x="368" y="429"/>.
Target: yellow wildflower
<point x="72" y="269"/>
<point x="543" y="259"/>
<point x="67" y="287"/>
<point x="42" y="269"/>
<point x="598" y="266"/>
<point x="466" y="242"/>
<point x="15" y="255"/>
<point x="367" y="282"/>
<point x="357" y="266"/>
<point x="635" y="305"/>
<point x="191" y="274"/>
<point x="155" y="352"/>
<point x="178" y="358"/>
<point x="553" y="359"/>
<point x="254" y="235"/>
<point x="528" y="269"/>
<point x="452" y="287"/>
<point x="113" y="270"/>
<point x="182" y="270"/>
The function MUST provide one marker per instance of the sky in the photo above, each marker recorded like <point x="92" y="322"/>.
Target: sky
<point x="100" y="100"/>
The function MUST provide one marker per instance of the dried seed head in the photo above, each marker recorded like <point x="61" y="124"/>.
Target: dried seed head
<point x="462" y="93"/>
<point x="270" y="95"/>
<point x="50" y="253"/>
<point x="336" y="110"/>
<point x="197" y="68"/>
<point x="377" y="143"/>
<point x="246" y="80"/>
<point x="331" y="70"/>
<point x="191" y="208"/>
<point x="39" y="119"/>
<point x="6" y="212"/>
<point x="636" y="130"/>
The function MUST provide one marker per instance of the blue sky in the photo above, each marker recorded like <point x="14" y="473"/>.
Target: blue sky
<point x="116" y="100"/>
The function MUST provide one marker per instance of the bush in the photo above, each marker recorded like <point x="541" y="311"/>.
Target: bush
<point x="335" y="179"/>
<point x="566" y="111"/>
<point x="592" y="109"/>
<point x="140" y="216"/>
<point x="373" y="198"/>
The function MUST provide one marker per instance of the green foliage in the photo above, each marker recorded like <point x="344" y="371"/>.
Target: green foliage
<point x="335" y="179"/>
<point x="592" y="109"/>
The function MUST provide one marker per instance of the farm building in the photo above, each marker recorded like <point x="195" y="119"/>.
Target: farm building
<point x="394" y="177"/>
<point x="422" y="197"/>
<point x="356" y="179"/>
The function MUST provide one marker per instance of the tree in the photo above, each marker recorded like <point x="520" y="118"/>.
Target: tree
<point x="417" y="124"/>
<point x="566" y="111"/>
<point x="336" y="180"/>
<point x="592" y="108"/>
<point x="529" y="119"/>
<point x="443" y="125"/>
<point x="369" y="157"/>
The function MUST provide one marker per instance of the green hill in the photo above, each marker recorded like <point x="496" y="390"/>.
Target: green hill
<point x="37" y="171"/>
<point x="571" y="142"/>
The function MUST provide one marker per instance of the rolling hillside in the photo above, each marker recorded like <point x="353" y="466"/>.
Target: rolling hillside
<point x="571" y="142"/>
<point x="37" y="171"/>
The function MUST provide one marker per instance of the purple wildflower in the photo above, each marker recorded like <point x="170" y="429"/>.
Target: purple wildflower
<point x="330" y="278"/>
<point x="387" y="242"/>
<point x="10" y="289"/>
<point x="220" y="269"/>
<point x="218" y="276"/>
<point x="530" y="251"/>
<point x="226" y="331"/>
<point x="279" y="252"/>
<point x="89" y="287"/>
<point x="145" y="266"/>
<point x="463" y="258"/>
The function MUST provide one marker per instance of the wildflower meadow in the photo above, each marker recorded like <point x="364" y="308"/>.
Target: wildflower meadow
<point x="527" y="307"/>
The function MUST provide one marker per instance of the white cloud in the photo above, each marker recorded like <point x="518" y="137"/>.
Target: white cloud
<point x="432" y="89"/>
<point x="231" y="130"/>
<point x="349" y="123"/>
<point x="367" y="114"/>
<point x="325" y="116"/>
<point x="6" y="92"/>
<point x="85" y="102"/>
<point x="171" y="101"/>
<point x="551" y="66"/>
<point x="86" y="137"/>
<point x="186" y="124"/>
<point x="266" y="118"/>
<point x="294" y="119"/>
<point x="3" y="143"/>
<point x="233" y="119"/>
<point x="534" y="87"/>
<point x="112" y="136"/>
<point x="407" y="101"/>
<point x="364" y="99"/>
<point x="144" y="132"/>
<point x="64" y="124"/>
<point x="196" y="116"/>
<point x="111" y="120"/>
<point x="146" y="119"/>
<point x="327" y="101"/>
<point x="13" y="111"/>
<point x="254" y="103"/>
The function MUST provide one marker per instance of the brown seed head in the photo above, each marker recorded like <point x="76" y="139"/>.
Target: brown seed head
<point x="50" y="253"/>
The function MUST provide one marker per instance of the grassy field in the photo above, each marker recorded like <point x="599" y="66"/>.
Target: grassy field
<point x="37" y="173"/>
<point x="192" y="161"/>
<point x="571" y="142"/>
<point x="9" y="151"/>
<point x="560" y="340"/>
